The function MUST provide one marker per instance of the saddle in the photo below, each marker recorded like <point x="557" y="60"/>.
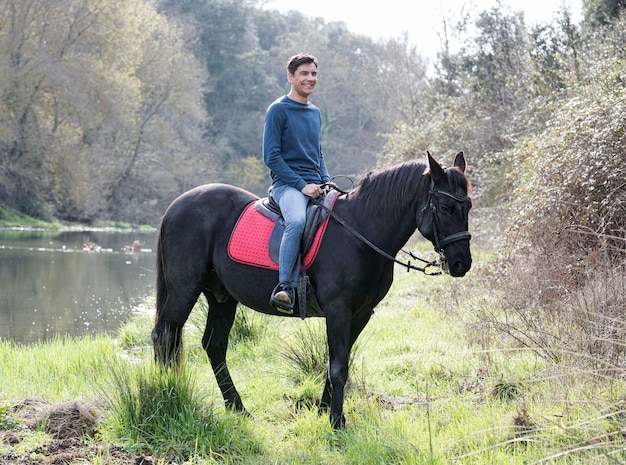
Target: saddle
<point x="315" y="216"/>
<point x="255" y="241"/>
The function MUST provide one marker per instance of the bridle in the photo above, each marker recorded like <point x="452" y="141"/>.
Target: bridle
<point x="440" y="242"/>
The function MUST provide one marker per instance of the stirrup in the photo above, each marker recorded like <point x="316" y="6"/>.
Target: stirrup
<point x="283" y="298"/>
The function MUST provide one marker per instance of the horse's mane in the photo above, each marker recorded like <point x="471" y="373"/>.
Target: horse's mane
<point x="389" y="191"/>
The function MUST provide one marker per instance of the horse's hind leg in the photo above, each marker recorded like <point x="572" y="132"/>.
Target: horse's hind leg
<point x="215" y="342"/>
<point x="176" y="296"/>
<point x="166" y="340"/>
<point x="168" y="329"/>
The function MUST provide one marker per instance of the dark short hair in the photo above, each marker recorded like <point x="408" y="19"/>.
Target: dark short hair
<point x="300" y="59"/>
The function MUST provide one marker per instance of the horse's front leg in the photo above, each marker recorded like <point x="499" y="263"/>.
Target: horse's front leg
<point x="215" y="342"/>
<point x="342" y="334"/>
<point x="338" y="334"/>
<point x="327" y="394"/>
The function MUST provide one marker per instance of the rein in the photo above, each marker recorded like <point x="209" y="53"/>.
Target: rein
<point x="440" y="243"/>
<point x="408" y="265"/>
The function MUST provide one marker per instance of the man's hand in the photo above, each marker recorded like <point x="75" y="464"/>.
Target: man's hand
<point x="312" y="190"/>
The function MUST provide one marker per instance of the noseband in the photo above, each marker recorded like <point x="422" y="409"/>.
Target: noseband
<point x="440" y="240"/>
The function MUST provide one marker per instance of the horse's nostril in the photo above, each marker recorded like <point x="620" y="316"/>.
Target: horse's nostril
<point x="458" y="269"/>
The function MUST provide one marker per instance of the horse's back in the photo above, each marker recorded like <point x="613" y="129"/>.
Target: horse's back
<point x="202" y="214"/>
<point x="211" y="199"/>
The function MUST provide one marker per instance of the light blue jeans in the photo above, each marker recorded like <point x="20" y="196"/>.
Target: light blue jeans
<point x="293" y="205"/>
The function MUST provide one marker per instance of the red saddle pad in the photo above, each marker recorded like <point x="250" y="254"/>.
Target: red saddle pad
<point x="249" y="241"/>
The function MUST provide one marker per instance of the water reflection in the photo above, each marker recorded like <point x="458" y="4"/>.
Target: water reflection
<point x="71" y="282"/>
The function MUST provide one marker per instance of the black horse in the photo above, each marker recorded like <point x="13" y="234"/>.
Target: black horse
<point x="349" y="275"/>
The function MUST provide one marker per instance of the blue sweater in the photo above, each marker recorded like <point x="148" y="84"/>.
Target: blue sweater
<point x="292" y="147"/>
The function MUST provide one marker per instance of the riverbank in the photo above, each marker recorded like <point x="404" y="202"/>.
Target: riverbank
<point x="10" y="219"/>
<point x="421" y="392"/>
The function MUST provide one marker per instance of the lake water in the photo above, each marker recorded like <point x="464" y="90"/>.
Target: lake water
<point x="72" y="282"/>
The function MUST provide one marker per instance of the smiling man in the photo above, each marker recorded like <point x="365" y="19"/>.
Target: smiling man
<point x="292" y="150"/>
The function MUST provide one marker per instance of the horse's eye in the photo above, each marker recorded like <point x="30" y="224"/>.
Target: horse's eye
<point x="445" y="209"/>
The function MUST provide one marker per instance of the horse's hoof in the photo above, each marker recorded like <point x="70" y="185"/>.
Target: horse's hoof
<point x="338" y="423"/>
<point x="237" y="407"/>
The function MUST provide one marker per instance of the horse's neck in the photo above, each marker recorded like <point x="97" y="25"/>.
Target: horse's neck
<point x="387" y="231"/>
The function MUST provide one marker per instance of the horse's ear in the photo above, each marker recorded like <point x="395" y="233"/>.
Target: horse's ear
<point x="459" y="161"/>
<point x="435" y="169"/>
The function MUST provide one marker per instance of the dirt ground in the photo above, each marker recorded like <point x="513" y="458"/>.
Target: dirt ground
<point x="71" y="427"/>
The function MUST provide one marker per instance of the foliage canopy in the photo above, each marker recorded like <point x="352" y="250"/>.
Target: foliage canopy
<point x="93" y="128"/>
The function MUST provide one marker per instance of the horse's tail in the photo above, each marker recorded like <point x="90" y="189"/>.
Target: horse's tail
<point x="166" y="341"/>
<point x="161" y="288"/>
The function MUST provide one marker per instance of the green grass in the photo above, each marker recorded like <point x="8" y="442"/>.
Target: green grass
<point x="59" y="370"/>
<point x="12" y="219"/>
<point x="420" y="392"/>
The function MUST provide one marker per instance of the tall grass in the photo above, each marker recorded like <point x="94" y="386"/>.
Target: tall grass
<point x="305" y="352"/>
<point x="57" y="370"/>
<point x="162" y="412"/>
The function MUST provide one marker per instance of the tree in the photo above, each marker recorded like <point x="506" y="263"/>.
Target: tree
<point x="599" y="13"/>
<point x="241" y="89"/>
<point x="167" y="153"/>
<point x="555" y="55"/>
<point x="78" y="108"/>
<point x="477" y="95"/>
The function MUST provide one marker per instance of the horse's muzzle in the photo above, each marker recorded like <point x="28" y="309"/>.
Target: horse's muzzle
<point x="456" y="260"/>
<point x="458" y="268"/>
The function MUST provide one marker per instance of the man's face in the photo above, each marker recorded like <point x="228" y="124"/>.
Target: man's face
<point x="303" y="80"/>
